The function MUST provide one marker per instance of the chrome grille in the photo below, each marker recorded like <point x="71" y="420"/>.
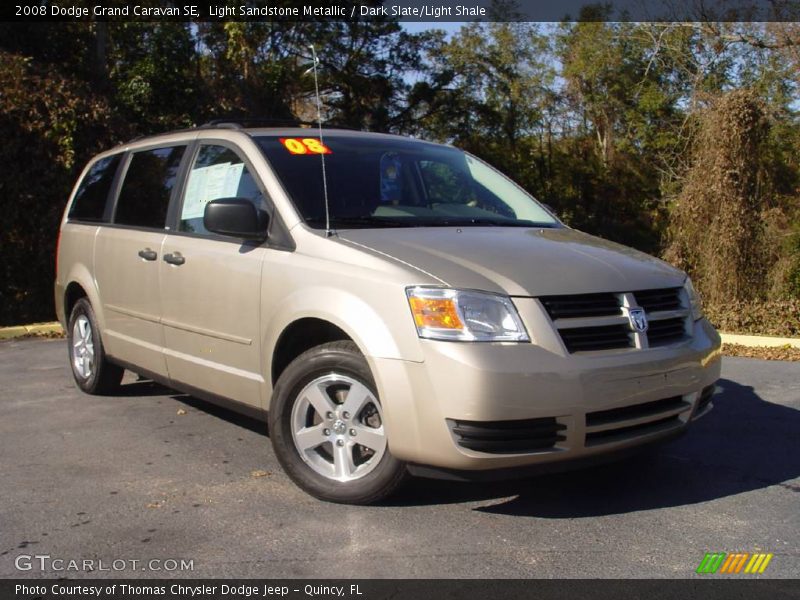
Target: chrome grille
<point x="599" y="321"/>
<point x="659" y="300"/>
<point x="666" y="331"/>
<point x="582" y="305"/>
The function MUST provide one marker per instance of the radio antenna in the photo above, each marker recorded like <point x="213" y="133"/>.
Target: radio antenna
<point x="322" y="142"/>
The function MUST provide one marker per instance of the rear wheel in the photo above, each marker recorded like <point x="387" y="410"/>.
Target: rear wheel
<point x="326" y="425"/>
<point x="92" y="371"/>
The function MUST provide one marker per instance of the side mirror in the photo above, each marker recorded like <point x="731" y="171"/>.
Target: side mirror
<point x="236" y="217"/>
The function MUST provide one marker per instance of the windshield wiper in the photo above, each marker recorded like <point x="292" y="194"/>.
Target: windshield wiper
<point x="481" y="221"/>
<point x="363" y="222"/>
<point x="366" y="222"/>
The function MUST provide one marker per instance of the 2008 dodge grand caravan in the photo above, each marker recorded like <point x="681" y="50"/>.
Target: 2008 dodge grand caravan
<point x="406" y="307"/>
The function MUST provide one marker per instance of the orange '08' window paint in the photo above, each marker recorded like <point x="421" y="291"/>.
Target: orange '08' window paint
<point x="304" y="146"/>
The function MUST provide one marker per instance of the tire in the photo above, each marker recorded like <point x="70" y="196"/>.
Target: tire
<point x="334" y="466"/>
<point x="92" y="371"/>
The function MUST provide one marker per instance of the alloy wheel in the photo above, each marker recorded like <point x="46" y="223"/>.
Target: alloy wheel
<point x="337" y="427"/>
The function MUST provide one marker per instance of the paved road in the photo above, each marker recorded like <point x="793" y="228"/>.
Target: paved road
<point x="128" y="478"/>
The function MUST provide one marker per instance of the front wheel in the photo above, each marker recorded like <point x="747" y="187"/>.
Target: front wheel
<point x="326" y="425"/>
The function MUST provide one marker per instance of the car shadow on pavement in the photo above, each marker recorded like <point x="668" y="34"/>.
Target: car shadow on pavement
<point x="141" y="387"/>
<point x="744" y="444"/>
<point x="147" y="387"/>
<point x="221" y="412"/>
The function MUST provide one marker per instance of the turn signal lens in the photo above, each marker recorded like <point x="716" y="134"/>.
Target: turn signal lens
<point x="435" y="312"/>
<point x="465" y="315"/>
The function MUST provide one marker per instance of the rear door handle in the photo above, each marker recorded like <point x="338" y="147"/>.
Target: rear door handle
<point x="175" y="258"/>
<point x="148" y="254"/>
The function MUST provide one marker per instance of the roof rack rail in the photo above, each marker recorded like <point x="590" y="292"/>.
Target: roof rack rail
<point x="243" y="123"/>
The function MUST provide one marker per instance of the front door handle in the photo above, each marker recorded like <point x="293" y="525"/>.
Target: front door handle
<point x="148" y="254"/>
<point x="175" y="258"/>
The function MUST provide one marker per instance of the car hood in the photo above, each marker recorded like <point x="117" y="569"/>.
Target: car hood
<point x="518" y="261"/>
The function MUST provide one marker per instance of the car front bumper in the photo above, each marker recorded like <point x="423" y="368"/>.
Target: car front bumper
<point x="587" y="405"/>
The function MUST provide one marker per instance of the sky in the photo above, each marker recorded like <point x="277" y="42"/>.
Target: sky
<point x="417" y="26"/>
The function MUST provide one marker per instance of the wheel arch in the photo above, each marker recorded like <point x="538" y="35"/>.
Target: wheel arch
<point x="81" y="285"/>
<point x="342" y="316"/>
<point x="72" y="294"/>
<point x="301" y="335"/>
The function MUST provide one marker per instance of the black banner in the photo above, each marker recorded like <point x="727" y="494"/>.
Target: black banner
<point x="433" y="11"/>
<point x="418" y="589"/>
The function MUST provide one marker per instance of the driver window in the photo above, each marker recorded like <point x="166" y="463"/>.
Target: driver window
<point x="217" y="172"/>
<point x="443" y="184"/>
<point x="454" y="192"/>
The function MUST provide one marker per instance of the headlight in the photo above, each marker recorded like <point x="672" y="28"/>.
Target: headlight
<point x="447" y="314"/>
<point x="695" y="303"/>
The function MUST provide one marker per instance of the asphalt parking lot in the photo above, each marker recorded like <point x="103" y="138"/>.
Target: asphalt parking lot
<point x="129" y="478"/>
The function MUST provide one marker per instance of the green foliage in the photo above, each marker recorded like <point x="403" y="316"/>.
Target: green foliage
<point x="50" y="125"/>
<point x="629" y="130"/>
<point x="154" y="75"/>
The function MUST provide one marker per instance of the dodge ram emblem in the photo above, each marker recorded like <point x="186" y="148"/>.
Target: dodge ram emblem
<point x="638" y="319"/>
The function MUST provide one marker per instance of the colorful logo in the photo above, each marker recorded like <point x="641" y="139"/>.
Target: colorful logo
<point x="735" y="562"/>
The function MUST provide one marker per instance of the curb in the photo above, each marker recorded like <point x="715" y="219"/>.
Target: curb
<point x="753" y="341"/>
<point x="7" y="333"/>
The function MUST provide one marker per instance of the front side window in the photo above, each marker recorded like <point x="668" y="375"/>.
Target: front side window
<point x="385" y="182"/>
<point x="144" y="197"/>
<point x="217" y="172"/>
<point x="90" y="199"/>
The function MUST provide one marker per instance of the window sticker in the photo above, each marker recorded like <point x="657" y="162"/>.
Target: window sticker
<point x="209" y="183"/>
<point x="304" y="146"/>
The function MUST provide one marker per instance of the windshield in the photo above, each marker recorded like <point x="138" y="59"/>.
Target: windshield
<point x="383" y="182"/>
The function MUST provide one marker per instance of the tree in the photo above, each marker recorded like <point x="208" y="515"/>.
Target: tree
<point x="717" y="231"/>
<point x="604" y="121"/>
<point x="153" y="74"/>
<point x="50" y="124"/>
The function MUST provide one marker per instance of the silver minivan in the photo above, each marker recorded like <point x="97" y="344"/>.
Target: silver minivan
<point x="390" y="305"/>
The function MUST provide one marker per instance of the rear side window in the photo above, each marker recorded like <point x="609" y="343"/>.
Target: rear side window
<point x="144" y="197"/>
<point x="90" y="199"/>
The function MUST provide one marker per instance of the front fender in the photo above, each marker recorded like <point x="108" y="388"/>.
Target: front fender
<point x="376" y="336"/>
